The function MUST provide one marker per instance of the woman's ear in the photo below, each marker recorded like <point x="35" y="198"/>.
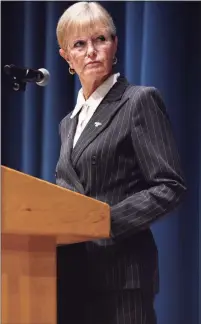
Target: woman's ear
<point x="63" y="54"/>
<point x="116" y="44"/>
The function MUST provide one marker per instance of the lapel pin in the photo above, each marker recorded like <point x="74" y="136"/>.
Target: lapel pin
<point x="97" y="124"/>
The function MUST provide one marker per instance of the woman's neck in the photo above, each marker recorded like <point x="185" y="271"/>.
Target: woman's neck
<point x="91" y="85"/>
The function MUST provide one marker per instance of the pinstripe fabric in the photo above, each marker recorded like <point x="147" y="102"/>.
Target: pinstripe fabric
<point x="125" y="307"/>
<point x="109" y="307"/>
<point x="130" y="162"/>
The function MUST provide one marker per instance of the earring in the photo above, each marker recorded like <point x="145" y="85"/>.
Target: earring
<point x="71" y="71"/>
<point x="114" y="60"/>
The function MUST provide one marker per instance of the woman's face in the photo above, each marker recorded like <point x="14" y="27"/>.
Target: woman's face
<point x="91" y="54"/>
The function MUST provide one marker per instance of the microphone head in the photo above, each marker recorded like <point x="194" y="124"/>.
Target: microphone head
<point x="45" y="79"/>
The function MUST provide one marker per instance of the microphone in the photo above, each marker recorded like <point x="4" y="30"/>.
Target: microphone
<point x="40" y="76"/>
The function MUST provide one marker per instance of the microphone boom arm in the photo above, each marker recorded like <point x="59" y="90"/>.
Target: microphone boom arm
<point x="20" y="76"/>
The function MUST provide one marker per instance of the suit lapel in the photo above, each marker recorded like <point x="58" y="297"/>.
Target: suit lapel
<point x="71" y="128"/>
<point x="69" y="134"/>
<point x="101" y="118"/>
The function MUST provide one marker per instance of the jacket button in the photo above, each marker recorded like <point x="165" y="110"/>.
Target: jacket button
<point x="93" y="159"/>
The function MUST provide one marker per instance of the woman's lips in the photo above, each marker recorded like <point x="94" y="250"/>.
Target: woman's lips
<point x="92" y="63"/>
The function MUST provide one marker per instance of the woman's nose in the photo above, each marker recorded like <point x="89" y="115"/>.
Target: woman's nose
<point x="91" y="51"/>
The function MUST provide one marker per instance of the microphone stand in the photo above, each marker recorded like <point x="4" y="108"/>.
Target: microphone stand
<point x="18" y="85"/>
<point x="17" y="78"/>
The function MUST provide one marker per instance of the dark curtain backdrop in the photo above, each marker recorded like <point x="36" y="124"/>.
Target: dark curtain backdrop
<point x="159" y="45"/>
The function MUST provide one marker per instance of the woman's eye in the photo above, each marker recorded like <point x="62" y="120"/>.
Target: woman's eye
<point x="102" y="38"/>
<point x="79" y="44"/>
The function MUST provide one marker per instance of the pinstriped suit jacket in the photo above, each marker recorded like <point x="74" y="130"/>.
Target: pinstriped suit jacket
<point x="131" y="162"/>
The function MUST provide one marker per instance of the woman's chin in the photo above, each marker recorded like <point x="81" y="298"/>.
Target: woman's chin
<point x="95" y="72"/>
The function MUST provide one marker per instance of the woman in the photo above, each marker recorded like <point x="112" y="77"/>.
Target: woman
<point x="117" y="147"/>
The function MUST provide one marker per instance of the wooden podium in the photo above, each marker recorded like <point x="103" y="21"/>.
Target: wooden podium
<point x="37" y="216"/>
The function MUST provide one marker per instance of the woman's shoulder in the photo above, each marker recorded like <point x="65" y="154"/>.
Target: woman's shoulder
<point x="135" y="90"/>
<point x="143" y="92"/>
<point x="64" y="121"/>
<point x="145" y="96"/>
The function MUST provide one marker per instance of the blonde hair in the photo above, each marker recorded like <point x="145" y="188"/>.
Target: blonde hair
<point x="82" y="16"/>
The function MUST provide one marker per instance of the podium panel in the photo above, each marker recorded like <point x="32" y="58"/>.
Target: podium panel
<point x="28" y="283"/>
